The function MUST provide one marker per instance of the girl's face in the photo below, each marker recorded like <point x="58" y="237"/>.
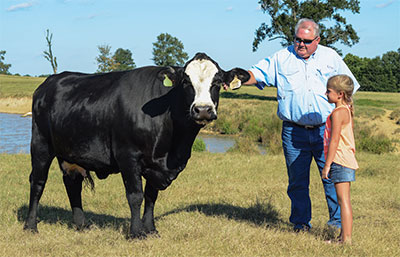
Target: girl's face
<point x="333" y="95"/>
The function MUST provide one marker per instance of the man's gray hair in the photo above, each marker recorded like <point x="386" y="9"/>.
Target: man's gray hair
<point x="300" y="25"/>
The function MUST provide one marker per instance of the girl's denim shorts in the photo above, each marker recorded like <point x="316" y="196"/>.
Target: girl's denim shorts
<point x="338" y="174"/>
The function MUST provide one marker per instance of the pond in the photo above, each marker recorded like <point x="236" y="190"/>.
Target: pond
<point x="15" y="136"/>
<point x="15" y="133"/>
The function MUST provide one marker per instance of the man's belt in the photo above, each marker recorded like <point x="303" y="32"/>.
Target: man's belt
<point x="308" y="126"/>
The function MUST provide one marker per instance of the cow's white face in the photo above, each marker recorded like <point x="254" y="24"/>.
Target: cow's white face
<point x="201" y="74"/>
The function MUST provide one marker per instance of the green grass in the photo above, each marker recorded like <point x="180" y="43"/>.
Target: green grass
<point x="220" y="205"/>
<point x="16" y="86"/>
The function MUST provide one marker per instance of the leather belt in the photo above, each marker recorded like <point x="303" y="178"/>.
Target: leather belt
<point x="308" y="126"/>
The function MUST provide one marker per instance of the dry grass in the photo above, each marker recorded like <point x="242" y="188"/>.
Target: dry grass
<point x="221" y="205"/>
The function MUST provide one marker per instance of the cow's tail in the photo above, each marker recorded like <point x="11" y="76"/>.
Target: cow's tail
<point x="88" y="180"/>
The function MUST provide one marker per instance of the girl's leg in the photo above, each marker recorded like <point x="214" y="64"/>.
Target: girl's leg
<point x="343" y="195"/>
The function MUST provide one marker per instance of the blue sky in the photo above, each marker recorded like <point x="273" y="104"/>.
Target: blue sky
<point x="224" y="29"/>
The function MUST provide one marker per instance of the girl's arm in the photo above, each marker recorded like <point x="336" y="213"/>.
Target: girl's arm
<point x="338" y="118"/>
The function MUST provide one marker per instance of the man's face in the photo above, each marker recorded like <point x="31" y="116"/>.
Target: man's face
<point x="305" y="42"/>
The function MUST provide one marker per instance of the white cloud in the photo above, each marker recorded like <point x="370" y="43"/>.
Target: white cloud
<point x="383" y="5"/>
<point x="19" y="6"/>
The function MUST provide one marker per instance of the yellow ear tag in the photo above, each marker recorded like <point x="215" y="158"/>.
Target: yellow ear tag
<point x="167" y="81"/>
<point x="235" y="83"/>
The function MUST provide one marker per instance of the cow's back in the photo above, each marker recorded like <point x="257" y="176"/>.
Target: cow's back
<point x="79" y="114"/>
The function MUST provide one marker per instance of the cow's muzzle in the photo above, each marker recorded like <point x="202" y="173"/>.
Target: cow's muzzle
<point x="203" y="114"/>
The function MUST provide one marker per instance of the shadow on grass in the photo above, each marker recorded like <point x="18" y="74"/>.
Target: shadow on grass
<point x="54" y="215"/>
<point x="260" y="214"/>
<point x="230" y="95"/>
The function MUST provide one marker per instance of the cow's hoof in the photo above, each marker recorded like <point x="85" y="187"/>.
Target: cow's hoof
<point x="153" y="233"/>
<point x="83" y="227"/>
<point x="140" y="236"/>
<point x="32" y="229"/>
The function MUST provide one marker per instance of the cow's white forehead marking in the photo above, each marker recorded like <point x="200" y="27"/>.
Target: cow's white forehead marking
<point x="201" y="74"/>
<point x="201" y="71"/>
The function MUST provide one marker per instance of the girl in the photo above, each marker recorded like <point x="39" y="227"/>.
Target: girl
<point x="339" y="148"/>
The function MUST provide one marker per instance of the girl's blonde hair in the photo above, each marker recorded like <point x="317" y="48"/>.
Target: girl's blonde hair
<point x="343" y="83"/>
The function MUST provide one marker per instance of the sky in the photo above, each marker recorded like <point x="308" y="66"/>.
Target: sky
<point x="223" y="29"/>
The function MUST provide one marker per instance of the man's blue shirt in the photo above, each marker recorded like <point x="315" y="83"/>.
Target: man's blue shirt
<point x="301" y="84"/>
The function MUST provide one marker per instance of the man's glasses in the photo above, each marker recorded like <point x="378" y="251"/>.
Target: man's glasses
<point x="305" y="41"/>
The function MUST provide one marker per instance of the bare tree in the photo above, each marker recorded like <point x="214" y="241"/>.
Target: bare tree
<point x="49" y="54"/>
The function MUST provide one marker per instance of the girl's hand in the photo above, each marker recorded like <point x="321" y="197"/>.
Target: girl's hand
<point x="325" y="172"/>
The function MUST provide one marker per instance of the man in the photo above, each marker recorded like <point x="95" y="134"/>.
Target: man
<point x="300" y="73"/>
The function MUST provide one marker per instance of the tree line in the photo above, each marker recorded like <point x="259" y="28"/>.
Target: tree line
<point x="378" y="74"/>
<point x="167" y="51"/>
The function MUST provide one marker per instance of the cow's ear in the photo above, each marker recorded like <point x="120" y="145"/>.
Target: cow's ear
<point x="170" y="76"/>
<point x="236" y="77"/>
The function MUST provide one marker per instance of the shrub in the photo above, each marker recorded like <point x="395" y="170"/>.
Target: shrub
<point x="199" y="145"/>
<point x="395" y="115"/>
<point x="378" y="144"/>
<point x="244" y="145"/>
<point x="367" y="141"/>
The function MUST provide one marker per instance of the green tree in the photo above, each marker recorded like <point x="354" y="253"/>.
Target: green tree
<point x="168" y="51"/>
<point x="391" y="63"/>
<point x="105" y="60"/>
<point x="123" y="59"/>
<point x="49" y="54"/>
<point x="285" y="14"/>
<point x="4" y="67"/>
<point x="377" y="74"/>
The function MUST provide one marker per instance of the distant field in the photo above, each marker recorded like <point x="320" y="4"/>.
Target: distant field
<point x="16" y="86"/>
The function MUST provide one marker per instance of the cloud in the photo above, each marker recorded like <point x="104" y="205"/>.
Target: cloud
<point x="19" y="6"/>
<point x="229" y="9"/>
<point x="384" y="5"/>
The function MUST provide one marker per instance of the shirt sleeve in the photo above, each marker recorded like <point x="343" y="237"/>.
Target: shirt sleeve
<point x="264" y="72"/>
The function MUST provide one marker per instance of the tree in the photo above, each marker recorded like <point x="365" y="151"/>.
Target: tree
<point x="168" y="51"/>
<point x="105" y="61"/>
<point x="377" y="74"/>
<point x="285" y="14"/>
<point x="49" y="54"/>
<point x="123" y="59"/>
<point x="391" y="63"/>
<point x="3" y="66"/>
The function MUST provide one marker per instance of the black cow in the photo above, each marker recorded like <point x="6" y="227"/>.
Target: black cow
<point x="141" y="123"/>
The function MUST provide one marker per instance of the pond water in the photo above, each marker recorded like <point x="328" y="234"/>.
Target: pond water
<point x="15" y="133"/>
<point x="15" y="136"/>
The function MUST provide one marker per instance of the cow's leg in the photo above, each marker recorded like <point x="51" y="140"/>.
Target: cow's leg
<point x="41" y="158"/>
<point x="134" y="193"/>
<point x="148" y="216"/>
<point x="73" y="185"/>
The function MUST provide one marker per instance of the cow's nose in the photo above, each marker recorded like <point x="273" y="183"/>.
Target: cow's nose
<point x="203" y="112"/>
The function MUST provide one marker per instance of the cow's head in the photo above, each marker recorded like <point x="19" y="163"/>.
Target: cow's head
<point x="202" y="79"/>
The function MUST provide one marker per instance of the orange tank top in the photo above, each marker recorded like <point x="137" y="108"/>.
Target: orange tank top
<point x="345" y="153"/>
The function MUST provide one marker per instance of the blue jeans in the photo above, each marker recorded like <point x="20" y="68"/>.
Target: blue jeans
<point x="300" y="145"/>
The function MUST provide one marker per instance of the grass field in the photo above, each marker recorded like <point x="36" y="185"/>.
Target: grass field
<point x="220" y="205"/>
